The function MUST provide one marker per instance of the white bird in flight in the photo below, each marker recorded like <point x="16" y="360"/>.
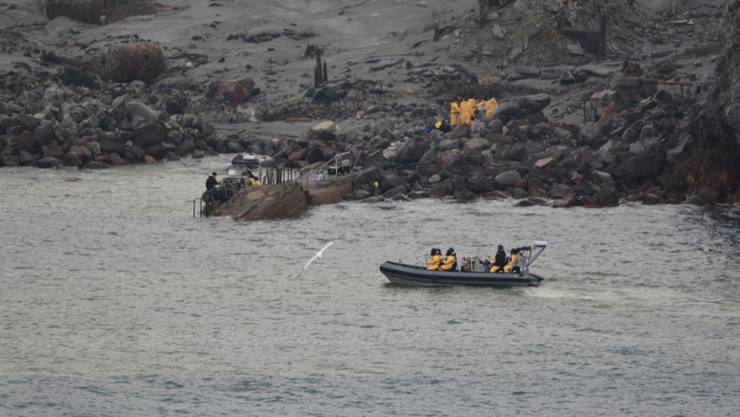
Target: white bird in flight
<point x="318" y="255"/>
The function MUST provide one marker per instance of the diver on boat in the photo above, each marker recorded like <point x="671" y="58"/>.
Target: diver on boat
<point x="450" y="263"/>
<point x="511" y="264"/>
<point x="499" y="260"/>
<point x="435" y="261"/>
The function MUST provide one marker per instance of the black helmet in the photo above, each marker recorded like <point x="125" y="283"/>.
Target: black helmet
<point x="450" y="251"/>
<point x="500" y="247"/>
<point x="434" y="251"/>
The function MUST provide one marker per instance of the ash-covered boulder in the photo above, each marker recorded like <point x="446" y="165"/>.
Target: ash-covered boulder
<point x="144" y="61"/>
<point x="88" y="11"/>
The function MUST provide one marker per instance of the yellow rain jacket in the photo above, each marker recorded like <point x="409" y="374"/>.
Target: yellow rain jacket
<point x="489" y="107"/>
<point x="454" y="114"/>
<point x="467" y="112"/>
<point x="434" y="262"/>
<point x="448" y="263"/>
<point x="511" y="264"/>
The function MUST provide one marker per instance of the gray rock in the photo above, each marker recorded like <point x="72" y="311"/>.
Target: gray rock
<point x="522" y="107"/>
<point x="415" y="195"/>
<point x="395" y="191"/>
<point x="515" y="152"/>
<point x="96" y="165"/>
<point x="448" y="144"/>
<point x="368" y="176"/>
<point x="590" y="134"/>
<point x="139" y="113"/>
<point x="149" y="134"/>
<point x="44" y="133"/>
<point x="360" y="194"/>
<point x="48" y="162"/>
<point x="29" y="122"/>
<point x="26" y="158"/>
<point x="508" y="179"/>
<point x="427" y="165"/>
<point x="412" y="151"/>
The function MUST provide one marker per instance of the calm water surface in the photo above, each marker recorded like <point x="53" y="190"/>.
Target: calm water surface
<point x="114" y="301"/>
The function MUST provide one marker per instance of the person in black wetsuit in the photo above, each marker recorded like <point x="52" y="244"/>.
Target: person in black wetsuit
<point x="499" y="260"/>
<point x="211" y="181"/>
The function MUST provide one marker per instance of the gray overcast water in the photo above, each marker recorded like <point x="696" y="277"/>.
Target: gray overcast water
<point x="114" y="301"/>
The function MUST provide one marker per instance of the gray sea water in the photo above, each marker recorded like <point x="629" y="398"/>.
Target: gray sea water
<point x="115" y="301"/>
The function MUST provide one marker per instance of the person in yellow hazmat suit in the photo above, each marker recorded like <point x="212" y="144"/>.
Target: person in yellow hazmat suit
<point x="488" y="107"/>
<point x="512" y="260"/>
<point x="467" y="112"/>
<point x="435" y="261"/>
<point x="455" y="113"/>
<point x="450" y="263"/>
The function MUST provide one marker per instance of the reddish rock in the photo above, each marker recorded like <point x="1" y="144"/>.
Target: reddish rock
<point x="234" y="92"/>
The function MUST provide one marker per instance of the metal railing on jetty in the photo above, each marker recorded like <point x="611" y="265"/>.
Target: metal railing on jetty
<point x="269" y="176"/>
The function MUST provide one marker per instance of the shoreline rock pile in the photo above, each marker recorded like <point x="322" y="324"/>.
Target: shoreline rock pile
<point x="49" y="124"/>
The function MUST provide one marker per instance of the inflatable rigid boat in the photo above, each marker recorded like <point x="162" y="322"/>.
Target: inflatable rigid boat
<point x="418" y="276"/>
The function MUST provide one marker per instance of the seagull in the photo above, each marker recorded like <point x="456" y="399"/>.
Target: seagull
<point x="318" y="255"/>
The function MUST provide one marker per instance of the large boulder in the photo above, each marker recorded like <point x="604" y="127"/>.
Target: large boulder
<point x="270" y="202"/>
<point x="413" y="150"/>
<point x="88" y="11"/>
<point x="149" y="134"/>
<point x="428" y="165"/>
<point x="521" y="107"/>
<point x="318" y="151"/>
<point x="125" y="62"/>
<point x="508" y="179"/>
<point x="138" y="112"/>
<point x="368" y="176"/>
<point x="325" y="130"/>
<point x="48" y="162"/>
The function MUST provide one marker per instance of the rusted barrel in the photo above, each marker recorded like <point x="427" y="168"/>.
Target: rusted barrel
<point x="134" y="61"/>
<point x="88" y="11"/>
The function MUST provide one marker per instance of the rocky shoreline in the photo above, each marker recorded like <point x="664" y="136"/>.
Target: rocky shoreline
<point x="574" y="128"/>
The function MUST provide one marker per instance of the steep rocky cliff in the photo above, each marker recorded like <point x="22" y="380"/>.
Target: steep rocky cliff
<point x="710" y="162"/>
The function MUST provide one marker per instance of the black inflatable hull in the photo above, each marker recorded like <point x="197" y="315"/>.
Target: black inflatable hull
<point x="416" y="276"/>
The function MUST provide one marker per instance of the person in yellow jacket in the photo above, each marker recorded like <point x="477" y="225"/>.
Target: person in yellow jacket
<point x="251" y="179"/>
<point x="467" y="111"/>
<point x="455" y="113"/>
<point x="488" y="107"/>
<point x="435" y="261"/>
<point x="513" y="259"/>
<point x="450" y="263"/>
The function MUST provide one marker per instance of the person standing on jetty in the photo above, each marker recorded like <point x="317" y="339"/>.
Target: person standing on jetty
<point x="211" y="181"/>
